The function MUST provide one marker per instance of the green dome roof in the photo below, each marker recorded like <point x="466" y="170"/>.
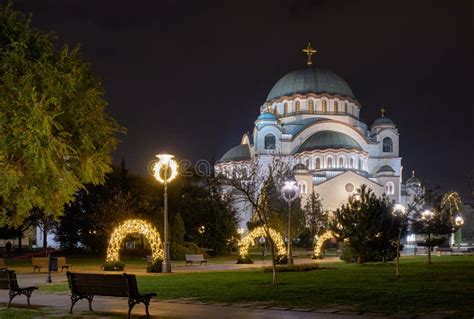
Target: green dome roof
<point x="310" y="80"/>
<point x="382" y="121"/>
<point x="329" y="139"/>
<point x="386" y="169"/>
<point x="237" y="153"/>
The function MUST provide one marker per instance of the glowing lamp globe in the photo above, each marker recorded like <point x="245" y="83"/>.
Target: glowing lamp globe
<point x="459" y="221"/>
<point x="426" y="214"/>
<point x="399" y="209"/>
<point x="290" y="190"/>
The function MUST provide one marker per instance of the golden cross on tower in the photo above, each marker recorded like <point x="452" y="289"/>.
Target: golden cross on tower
<point x="309" y="52"/>
<point x="383" y="110"/>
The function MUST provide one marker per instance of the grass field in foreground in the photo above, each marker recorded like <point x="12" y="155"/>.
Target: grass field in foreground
<point x="447" y="284"/>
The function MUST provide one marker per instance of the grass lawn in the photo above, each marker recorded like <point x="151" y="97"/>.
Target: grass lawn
<point x="448" y="284"/>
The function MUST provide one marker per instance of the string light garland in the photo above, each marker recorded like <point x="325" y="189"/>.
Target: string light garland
<point x="249" y="240"/>
<point x="134" y="226"/>
<point x="318" y="246"/>
<point x="160" y="168"/>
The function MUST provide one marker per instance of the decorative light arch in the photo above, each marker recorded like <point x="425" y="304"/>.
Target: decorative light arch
<point x="249" y="240"/>
<point x="134" y="226"/>
<point x="319" y="242"/>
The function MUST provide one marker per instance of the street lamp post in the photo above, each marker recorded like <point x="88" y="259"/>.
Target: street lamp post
<point x="290" y="192"/>
<point x="426" y="215"/>
<point x="165" y="170"/>
<point x="399" y="210"/>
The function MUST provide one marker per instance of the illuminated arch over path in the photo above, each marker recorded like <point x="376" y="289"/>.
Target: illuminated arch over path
<point x="134" y="226"/>
<point x="318" y="245"/>
<point x="249" y="240"/>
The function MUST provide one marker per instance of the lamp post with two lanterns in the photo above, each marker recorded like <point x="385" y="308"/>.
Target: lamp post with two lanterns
<point x="290" y="192"/>
<point x="427" y="216"/>
<point x="165" y="170"/>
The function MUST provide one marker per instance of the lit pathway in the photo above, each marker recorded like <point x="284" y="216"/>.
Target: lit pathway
<point x="182" y="308"/>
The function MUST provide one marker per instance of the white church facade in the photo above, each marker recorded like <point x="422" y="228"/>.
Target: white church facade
<point x="311" y="119"/>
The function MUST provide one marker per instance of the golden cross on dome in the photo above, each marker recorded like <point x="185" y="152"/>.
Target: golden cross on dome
<point x="383" y="110"/>
<point x="309" y="52"/>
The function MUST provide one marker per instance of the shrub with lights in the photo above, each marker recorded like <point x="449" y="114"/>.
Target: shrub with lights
<point x="319" y="242"/>
<point x="128" y="227"/>
<point x="249" y="240"/>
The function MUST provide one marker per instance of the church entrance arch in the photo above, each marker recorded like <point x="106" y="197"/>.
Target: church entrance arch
<point x="134" y="226"/>
<point x="249" y="240"/>
<point x="319" y="242"/>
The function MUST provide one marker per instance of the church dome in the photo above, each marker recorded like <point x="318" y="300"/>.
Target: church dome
<point x="266" y="116"/>
<point x="386" y="169"/>
<point x="310" y="80"/>
<point x="329" y="140"/>
<point x="383" y="121"/>
<point x="237" y="153"/>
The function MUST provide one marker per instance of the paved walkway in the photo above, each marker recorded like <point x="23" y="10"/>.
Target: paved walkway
<point x="182" y="308"/>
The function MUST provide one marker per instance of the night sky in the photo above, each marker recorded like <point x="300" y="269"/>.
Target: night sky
<point x="188" y="77"/>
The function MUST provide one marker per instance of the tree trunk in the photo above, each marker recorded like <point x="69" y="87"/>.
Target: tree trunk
<point x="274" y="269"/>
<point x="429" y="248"/>
<point x="359" y="259"/>
<point x="397" y="268"/>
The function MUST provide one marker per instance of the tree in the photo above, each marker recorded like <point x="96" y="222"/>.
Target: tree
<point x="367" y="227"/>
<point x="256" y="184"/>
<point x="315" y="216"/>
<point x="55" y="134"/>
<point x="436" y="222"/>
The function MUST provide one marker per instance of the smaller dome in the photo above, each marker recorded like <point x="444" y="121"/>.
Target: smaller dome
<point x="383" y="121"/>
<point x="329" y="140"/>
<point x="237" y="153"/>
<point x="299" y="167"/>
<point x="386" y="169"/>
<point x="266" y="116"/>
<point x="413" y="181"/>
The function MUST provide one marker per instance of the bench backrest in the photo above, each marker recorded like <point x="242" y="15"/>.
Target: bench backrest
<point x="195" y="257"/>
<point x="40" y="261"/>
<point x="8" y="279"/>
<point x="99" y="284"/>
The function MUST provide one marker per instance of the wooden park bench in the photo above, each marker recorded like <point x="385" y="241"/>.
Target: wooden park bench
<point x="8" y="281"/>
<point x="39" y="262"/>
<point x="195" y="258"/>
<point x="86" y="286"/>
<point x="63" y="264"/>
<point x="2" y="263"/>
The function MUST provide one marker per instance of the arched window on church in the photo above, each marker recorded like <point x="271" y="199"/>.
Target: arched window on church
<point x="346" y="109"/>
<point x="311" y="106"/>
<point x="351" y="163"/>
<point x="270" y="142"/>
<point x="324" y="106"/>
<point x="285" y="109"/>
<point x="302" y="187"/>
<point x="360" y="164"/>
<point x="318" y="163"/>
<point x="389" y="188"/>
<point x="307" y="163"/>
<point x="297" y="107"/>
<point x="329" y="162"/>
<point x="387" y="145"/>
<point x="336" y="107"/>
<point x="341" y="162"/>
